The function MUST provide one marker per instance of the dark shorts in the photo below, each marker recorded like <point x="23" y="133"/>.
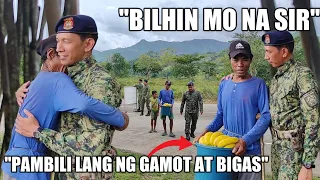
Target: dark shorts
<point x="165" y="116"/>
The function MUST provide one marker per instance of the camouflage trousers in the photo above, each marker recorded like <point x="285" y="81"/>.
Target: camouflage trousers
<point x="191" y="119"/>
<point x="90" y="176"/>
<point x="145" y="100"/>
<point x="139" y="100"/>
<point x="285" y="162"/>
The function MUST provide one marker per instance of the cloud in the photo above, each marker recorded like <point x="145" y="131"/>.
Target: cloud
<point x="114" y="30"/>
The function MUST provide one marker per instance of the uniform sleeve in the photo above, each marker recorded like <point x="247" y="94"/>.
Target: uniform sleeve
<point x="69" y="98"/>
<point x="200" y="103"/>
<point x="309" y="103"/>
<point x="148" y="92"/>
<point x="183" y="101"/>
<point x="217" y="123"/>
<point x="105" y="89"/>
<point x="263" y="122"/>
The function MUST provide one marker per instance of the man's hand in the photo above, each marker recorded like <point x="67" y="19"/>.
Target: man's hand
<point x="181" y="113"/>
<point x="227" y="77"/>
<point x="201" y="113"/>
<point x="21" y="92"/>
<point x="240" y="148"/>
<point x="305" y="174"/>
<point x="26" y="126"/>
<point x="258" y="116"/>
<point x="196" y="139"/>
<point x="126" y="123"/>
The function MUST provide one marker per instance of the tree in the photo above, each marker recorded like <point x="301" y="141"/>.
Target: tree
<point x="147" y="65"/>
<point x="186" y="65"/>
<point x="119" y="65"/>
<point x="208" y="68"/>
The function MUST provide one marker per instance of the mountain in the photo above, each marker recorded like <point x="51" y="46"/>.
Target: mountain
<point x="184" y="47"/>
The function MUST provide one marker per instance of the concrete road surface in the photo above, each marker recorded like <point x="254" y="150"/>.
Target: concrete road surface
<point x="137" y="138"/>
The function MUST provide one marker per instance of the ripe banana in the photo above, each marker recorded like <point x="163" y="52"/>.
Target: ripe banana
<point x="227" y="141"/>
<point x="230" y="146"/>
<point x="214" y="136"/>
<point x="218" y="139"/>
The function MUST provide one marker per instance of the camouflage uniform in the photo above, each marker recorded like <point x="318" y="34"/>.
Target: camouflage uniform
<point x="294" y="103"/>
<point x="193" y="101"/>
<point x="79" y="135"/>
<point x="139" y="89"/>
<point x="145" y="99"/>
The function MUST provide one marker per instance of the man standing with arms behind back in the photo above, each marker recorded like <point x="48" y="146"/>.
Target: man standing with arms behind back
<point x="145" y="98"/>
<point x="139" y="87"/>
<point x="294" y="108"/>
<point x="193" y="101"/>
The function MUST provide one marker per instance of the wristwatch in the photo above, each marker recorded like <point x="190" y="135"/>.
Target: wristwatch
<point x="308" y="165"/>
<point x="36" y="133"/>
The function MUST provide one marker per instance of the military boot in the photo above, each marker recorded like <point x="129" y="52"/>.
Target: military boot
<point x="192" y="135"/>
<point x="138" y="110"/>
<point x="141" y="114"/>
<point x="148" y="114"/>
<point x="188" y="137"/>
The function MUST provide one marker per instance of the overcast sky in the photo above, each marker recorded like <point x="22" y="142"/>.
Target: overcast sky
<point x="114" y="30"/>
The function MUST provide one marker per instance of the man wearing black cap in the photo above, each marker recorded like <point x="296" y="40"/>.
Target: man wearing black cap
<point x="166" y="96"/>
<point x="145" y="98"/>
<point x="239" y="101"/>
<point x="193" y="101"/>
<point x="294" y="108"/>
<point x="50" y="93"/>
<point x="79" y="135"/>
<point x="139" y="87"/>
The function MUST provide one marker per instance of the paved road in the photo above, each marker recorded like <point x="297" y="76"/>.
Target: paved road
<point x="137" y="138"/>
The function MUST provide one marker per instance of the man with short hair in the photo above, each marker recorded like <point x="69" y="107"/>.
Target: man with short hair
<point x="194" y="104"/>
<point x="166" y="96"/>
<point x="294" y="108"/>
<point x="239" y="101"/>
<point x="139" y="87"/>
<point x="145" y="98"/>
<point x="79" y="135"/>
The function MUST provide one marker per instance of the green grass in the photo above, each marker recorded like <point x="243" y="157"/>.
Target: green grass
<point x="208" y="88"/>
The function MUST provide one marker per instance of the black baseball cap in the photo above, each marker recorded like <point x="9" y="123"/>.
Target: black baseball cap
<point x="45" y="45"/>
<point x="190" y="83"/>
<point x="239" y="47"/>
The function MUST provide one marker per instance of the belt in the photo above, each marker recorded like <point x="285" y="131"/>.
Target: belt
<point x="283" y="134"/>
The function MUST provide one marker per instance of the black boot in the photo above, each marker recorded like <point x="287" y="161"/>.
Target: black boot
<point x="141" y="114"/>
<point x="192" y="135"/>
<point x="188" y="137"/>
<point x="148" y="114"/>
<point x="138" y="110"/>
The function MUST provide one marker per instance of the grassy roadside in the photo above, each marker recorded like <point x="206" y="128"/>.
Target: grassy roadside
<point x="208" y="88"/>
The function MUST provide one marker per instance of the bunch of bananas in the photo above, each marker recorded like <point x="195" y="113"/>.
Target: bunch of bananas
<point x="218" y="139"/>
<point x="166" y="105"/>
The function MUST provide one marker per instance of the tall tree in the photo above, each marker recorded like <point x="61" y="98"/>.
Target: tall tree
<point x="147" y="65"/>
<point x="119" y="65"/>
<point x="186" y="66"/>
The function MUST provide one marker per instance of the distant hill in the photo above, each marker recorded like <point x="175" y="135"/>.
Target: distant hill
<point x="184" y="47"/>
